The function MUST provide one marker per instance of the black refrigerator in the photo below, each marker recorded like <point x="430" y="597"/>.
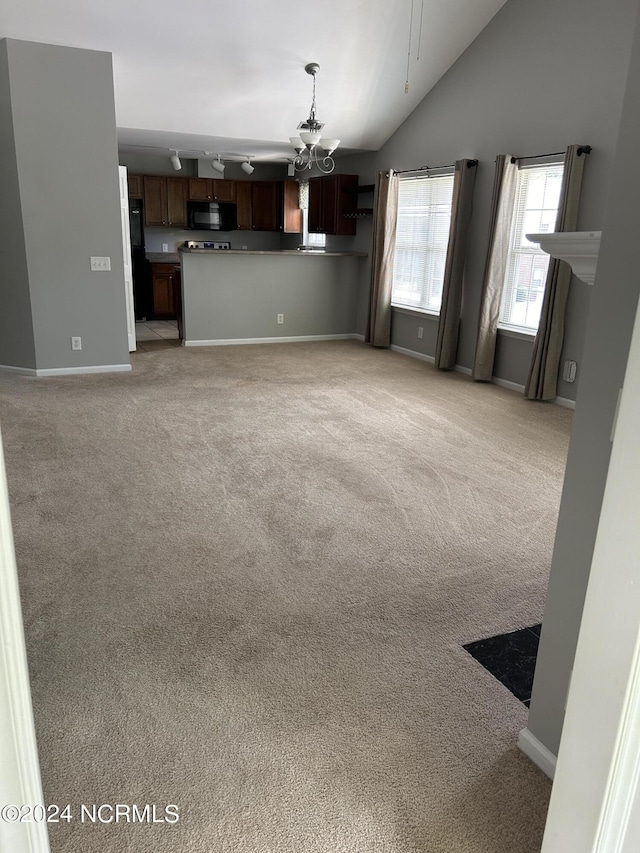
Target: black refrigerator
<point x="142" y="297"/>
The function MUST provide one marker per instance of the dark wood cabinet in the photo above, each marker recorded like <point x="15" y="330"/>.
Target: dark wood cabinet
<point x="135" y="183"/>
<point x="264" y="204"/>
<point x="177" y="202"/>
<point x="244" y="207"/>
<point x="223" y="190"/>
<point x="292" y="215"/>
<point x="155" y="200"/>
<point x="331" y="197"/>
<point x="275" y="206"/>
<point x="165" y="280"/>
<point x="200" y="189"/>
<point x="208" y="189"/>
<point x="165" y="201"/>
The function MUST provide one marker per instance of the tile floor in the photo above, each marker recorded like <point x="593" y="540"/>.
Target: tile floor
<point x="156" y="334"/>
<point x="511" y="658"/>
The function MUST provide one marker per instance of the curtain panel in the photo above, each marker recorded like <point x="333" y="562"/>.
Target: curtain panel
<point x="504" y="189"/>
<point x="542" y="382"/>
<point x="384" y="245"/>
<point x="449" y="321"/>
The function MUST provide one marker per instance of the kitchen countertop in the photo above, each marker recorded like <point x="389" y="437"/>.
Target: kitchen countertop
<point x="272" y="252"/>
<point x="163" y="257"/>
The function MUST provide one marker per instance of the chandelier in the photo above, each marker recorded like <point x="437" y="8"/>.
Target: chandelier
<point x="311" y="150"/>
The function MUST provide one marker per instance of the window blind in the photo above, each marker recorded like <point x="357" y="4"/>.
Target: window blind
<point x="535" y="211"/>
<point x="422" y="236"/>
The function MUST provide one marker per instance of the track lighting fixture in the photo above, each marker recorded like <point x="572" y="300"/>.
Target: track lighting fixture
<point x="247" y="167"/>
<point x="175" y="161"/>
<point x="218" y="165"/>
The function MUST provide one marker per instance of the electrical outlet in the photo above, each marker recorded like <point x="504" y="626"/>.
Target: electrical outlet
<point x="76" y="343"/>
<point x="100" y="264"/>
<point x="569" y="371"/>
<point x="420" y="332"/>
<point x="165" y="247"/>
<point x="280" y="319"/>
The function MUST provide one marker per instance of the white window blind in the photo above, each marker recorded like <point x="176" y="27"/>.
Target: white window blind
<point x="422" y="236"/>
<point x="535" y="211"/>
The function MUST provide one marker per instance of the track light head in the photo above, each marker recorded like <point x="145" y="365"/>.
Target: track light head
<point x="218" y="165"/>
<point x="175" y="161"/>
<point x="247" y="167"/>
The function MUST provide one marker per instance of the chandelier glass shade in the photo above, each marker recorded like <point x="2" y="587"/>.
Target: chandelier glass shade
<point x="312" y="150"/>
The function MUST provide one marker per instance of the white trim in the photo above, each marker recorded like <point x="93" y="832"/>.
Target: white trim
<point x="357" y="337"/>
<point x="505" y="383"/>
<point x="22" y="371"/>
<point x="460" y="369"/>
<point x="537" y="752"/>
<point x="413" y="353"/>
<point x="565" y="402"/>
<point x="224" y="342"/>
<point x="67" y="371"/>
<point x="518" y="334"/>
<point x="622" y="786"/>
<point x="415" y="312"/>
<point x="19" y="766"/>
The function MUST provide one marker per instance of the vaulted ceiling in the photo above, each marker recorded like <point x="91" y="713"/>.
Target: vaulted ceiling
<point x="228" y="77"/>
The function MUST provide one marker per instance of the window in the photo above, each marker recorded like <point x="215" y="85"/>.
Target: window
<point x="422" y="236"/>
<point x="535" y="210"/>
<point x="315" y="240"/>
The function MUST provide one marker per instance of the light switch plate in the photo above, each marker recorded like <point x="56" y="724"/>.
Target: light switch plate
<point x="100" y="264"/>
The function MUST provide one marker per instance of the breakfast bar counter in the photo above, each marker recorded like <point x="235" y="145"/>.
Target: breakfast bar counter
<point x="249" y="296"/>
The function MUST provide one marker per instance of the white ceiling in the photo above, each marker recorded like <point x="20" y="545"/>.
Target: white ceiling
<point x="228" y="77"/>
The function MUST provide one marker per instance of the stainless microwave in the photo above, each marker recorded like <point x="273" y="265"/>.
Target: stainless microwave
<point x="212" y="216"/>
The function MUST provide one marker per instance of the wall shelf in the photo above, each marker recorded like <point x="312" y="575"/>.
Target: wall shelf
<point x="578" y="248"/>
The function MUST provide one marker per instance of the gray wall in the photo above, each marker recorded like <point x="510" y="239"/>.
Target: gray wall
<point x="239" y="296"/>
<point x="17" y="347"/>
<point x="608" y="337"/>
<point x="68" y="177"/>
<point x="539" y="77"/>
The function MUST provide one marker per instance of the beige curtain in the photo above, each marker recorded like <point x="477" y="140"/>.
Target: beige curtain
<point x="504" y="189"/>
<point x="542" y="383"/>
<point x="449" y="322"/>
<point x="384" y="244"/>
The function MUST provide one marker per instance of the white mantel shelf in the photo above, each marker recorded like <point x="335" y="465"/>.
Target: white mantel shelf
<point x="578" y="248"/>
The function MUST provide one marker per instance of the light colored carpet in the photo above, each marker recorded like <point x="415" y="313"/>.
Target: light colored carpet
<point x="247" y="575"/>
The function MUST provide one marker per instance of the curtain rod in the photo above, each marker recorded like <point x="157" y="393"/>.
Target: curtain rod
<point x="583" y="149"/>
<point x="433" y="168"/>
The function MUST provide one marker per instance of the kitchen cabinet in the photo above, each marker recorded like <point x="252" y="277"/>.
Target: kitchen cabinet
<point x="208" y="189"/>
<point x="165" y="201"/>
<point x="330" y="197"/>
<point x="264" y="206"/>
<point x="135" y="183"/>
<point x="165" y="284"/>
<point x="275" y="206"/>
<point x="243" y="205"/>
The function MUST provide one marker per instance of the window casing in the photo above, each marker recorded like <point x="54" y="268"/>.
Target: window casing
<point x="535" y="210"/>
<point x="422" y="237"/>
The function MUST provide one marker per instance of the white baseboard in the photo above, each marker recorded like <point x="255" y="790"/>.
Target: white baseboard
<point x="565" y="402"/>
<point x="225" y="342"/>
<point x="537" y="752"/>
<point x="504" y="383"/>
<point x="21" y="371"/>
<point x="412" y="353"/>
<point x="67" y="371"/>
<point x="460" y="369"/>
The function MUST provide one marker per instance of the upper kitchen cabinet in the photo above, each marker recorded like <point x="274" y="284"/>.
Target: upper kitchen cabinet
<point x="330" y="198"/>
<point x="207" y="189"/>
<point x="135" y="183"/>
<point x="243" y="205"/>
<point x="275" y="206"/>
<point x="165" y="201"/>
